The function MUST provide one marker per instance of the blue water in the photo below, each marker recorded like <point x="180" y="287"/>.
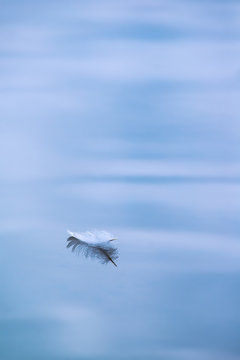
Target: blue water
<point x="120" y="116"/>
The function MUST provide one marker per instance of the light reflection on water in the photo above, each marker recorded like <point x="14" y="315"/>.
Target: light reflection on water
<point x="124" y="117"/>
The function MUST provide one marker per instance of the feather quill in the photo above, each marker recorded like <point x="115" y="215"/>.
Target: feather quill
<point x="94" y="244"/>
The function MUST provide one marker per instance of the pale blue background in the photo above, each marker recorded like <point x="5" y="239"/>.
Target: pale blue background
<point x="123" y="116"/>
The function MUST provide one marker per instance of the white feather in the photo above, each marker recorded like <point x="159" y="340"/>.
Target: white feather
<point x="95" y="244"/>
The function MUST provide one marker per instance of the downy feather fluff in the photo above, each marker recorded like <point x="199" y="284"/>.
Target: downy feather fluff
<point x="94" y="244"/>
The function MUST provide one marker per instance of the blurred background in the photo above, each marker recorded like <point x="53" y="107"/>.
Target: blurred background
<point x="120" y="116"/>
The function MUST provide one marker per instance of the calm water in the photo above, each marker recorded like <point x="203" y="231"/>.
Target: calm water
<point x="121" y="116"/>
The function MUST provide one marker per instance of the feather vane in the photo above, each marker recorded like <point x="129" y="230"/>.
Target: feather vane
<point x="94" y="244"/>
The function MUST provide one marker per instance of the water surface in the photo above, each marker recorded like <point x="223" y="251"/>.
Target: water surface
<point x="120" y="116"/>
